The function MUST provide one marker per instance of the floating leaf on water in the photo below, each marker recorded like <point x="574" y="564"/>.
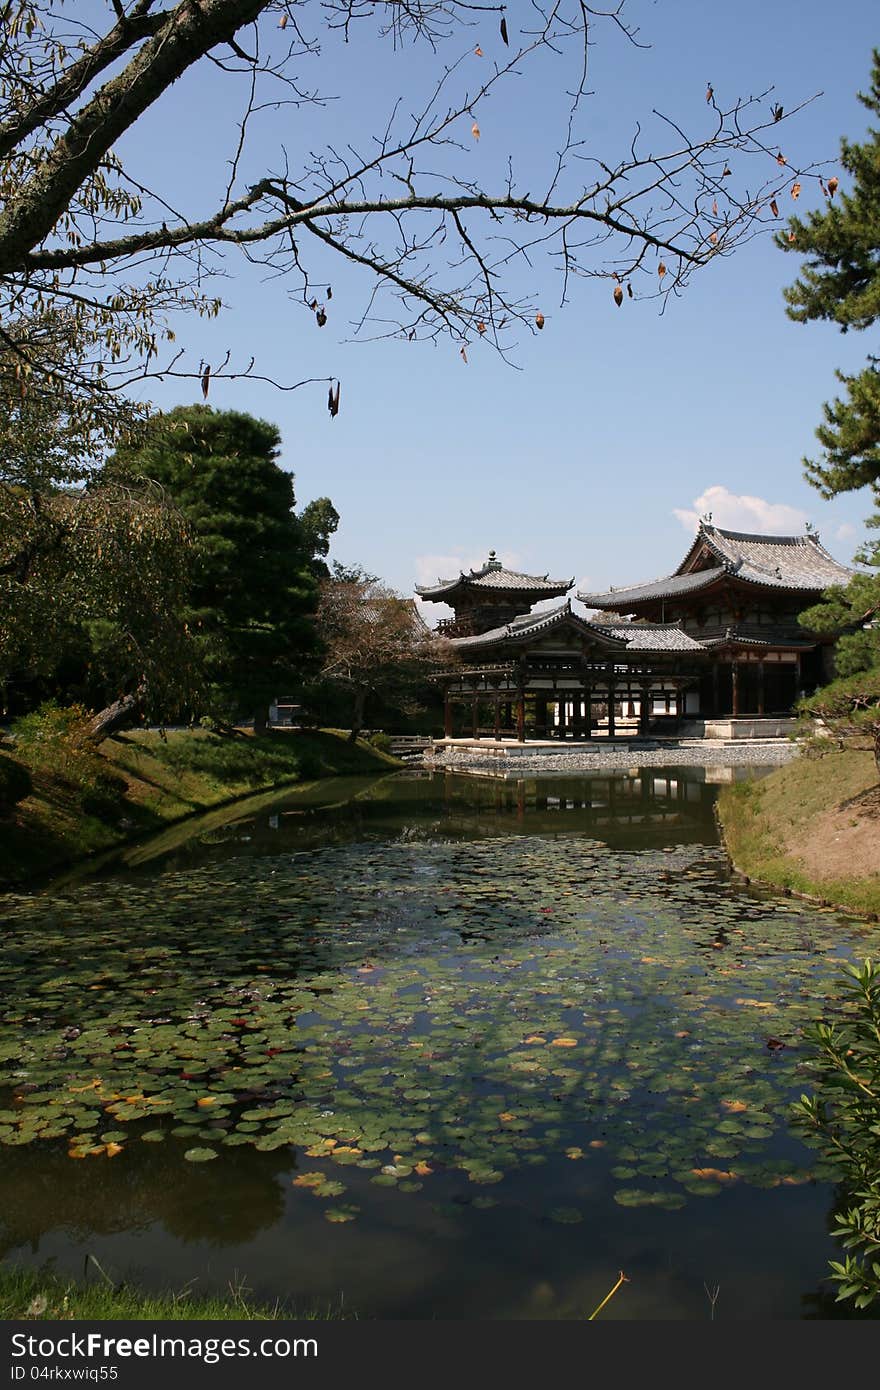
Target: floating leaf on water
<point x="200" y="1155"/>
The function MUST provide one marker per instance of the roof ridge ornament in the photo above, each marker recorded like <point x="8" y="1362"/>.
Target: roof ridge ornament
<point x="493" y="563"/>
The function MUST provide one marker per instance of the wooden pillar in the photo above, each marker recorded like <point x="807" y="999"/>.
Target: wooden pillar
<point x="476" y="715"/>
<point x="560" y="710"/>
<point x="715" y="674"/>
<point x="447" y="716"/>
<point x="521" y="718"/>
<point x="497" y="716"/>
<point x="612" y="727"/>
<point x="734" y="681"/>
<point x="644" y="710"/>
<point x="760" y="688"/>
<point x="588" y="711"/>
<point x="541" y="715"/>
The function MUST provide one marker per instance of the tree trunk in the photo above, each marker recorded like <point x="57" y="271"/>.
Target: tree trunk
<point x="357" y="723"/>
<point x="123" y="711"/>
<point x="261" y="722"/>
<point x="877" y="746"/>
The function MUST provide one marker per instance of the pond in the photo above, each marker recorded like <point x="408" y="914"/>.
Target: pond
<point x="430" y="1046"/>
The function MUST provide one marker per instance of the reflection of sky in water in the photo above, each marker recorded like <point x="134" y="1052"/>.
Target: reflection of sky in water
<point x="505" y="1066"/>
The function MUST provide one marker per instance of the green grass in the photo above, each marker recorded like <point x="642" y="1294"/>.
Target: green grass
<point x="140" y="782"/>
<point x="41" y="1295"/>
<point x="765" y="822"/>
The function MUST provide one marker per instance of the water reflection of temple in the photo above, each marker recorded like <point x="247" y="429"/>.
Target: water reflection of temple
<point x="718" y="637"/>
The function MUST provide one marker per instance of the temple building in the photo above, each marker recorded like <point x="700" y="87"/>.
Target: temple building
<point x="718" y="637"/>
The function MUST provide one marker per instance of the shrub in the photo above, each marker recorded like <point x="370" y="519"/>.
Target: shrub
<point x="55" y="738"/>
<point x="843" y="1120"/>
<point x="380" y="741"/>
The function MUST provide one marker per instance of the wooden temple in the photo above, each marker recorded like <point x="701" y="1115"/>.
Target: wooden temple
<point x="718" y="637"/>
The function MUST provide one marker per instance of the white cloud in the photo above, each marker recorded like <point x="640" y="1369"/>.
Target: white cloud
<point x="431" y="568"/>
<point x="845" y="532"/>
<point x="740" y="512"/>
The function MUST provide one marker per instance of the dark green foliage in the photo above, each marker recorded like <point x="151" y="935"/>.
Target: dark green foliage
<point x="843" y="1117"/>
<point x="840" y="283"/>
<point x="15" y="783"/>
<point x="254" y="591"/>
<point x="846" y="612"/>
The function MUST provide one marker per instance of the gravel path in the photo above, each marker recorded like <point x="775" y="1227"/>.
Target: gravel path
<point x="685" y="755"/>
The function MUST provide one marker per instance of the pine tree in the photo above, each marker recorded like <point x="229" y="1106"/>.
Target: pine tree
<point x="840" y="283"/>
<point x="254" y="591"/>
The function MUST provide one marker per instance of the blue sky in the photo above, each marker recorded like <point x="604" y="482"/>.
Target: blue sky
<point x="620" y="426"/>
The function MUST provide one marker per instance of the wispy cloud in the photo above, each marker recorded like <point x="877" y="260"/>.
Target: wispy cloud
<point x="740" y="512"/>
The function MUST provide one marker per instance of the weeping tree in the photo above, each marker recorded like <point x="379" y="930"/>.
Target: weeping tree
<point x="90" y="570"/>
<point x="445" y="248"/>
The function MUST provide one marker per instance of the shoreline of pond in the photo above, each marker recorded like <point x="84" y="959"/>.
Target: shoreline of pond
<point x="159" y="781"/>
<point x="598" y="759"/>
<point x="810" y="829"/>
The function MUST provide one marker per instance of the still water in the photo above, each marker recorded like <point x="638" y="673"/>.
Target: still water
<point x="425" y="1046"/>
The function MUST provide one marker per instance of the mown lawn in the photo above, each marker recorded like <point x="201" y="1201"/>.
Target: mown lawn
<point x="812" y="826"/>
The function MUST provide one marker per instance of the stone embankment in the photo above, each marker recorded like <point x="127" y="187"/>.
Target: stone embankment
<point x="687" y="753"/>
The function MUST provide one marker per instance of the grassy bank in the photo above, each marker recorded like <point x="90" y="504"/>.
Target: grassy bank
<point x="37" y="1294"/>
<point x="812" y="826"/>
<point x="137" y="783"/>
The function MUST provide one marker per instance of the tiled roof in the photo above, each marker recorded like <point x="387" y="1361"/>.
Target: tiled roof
<point x="789" y="562"/>
<point x="745" y="637"/>
<point x="653" y="637"/>
<point x="668" y="587"/>
<point x="796" y="563"/>
<point x="529" y="625"/>
<point x="495" y="576"/>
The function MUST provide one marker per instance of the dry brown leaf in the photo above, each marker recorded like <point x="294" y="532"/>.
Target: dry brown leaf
<point x="504" y="30"/>
<point x="774" y="207"/>
<point x="661" y="270"/>
<point x="795" y="190"/>
<point x="780" y="159"/>
<point x="463" y="355"/>
<point x="478" y="52"/>
<point x="539" y="319"/>
<point x="475" y="131"/>
<point x="564" y="1042"/>
<point x="709" y="92"/>
<point x="832" y="186"/>
<point x="618" y="296"/>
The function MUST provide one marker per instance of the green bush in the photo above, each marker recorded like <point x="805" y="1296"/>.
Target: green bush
<point x="55" y="739"/>
<point x="380" y="741"/>
<point x="15" y="783"/>
<point x="843" y="1119"/>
